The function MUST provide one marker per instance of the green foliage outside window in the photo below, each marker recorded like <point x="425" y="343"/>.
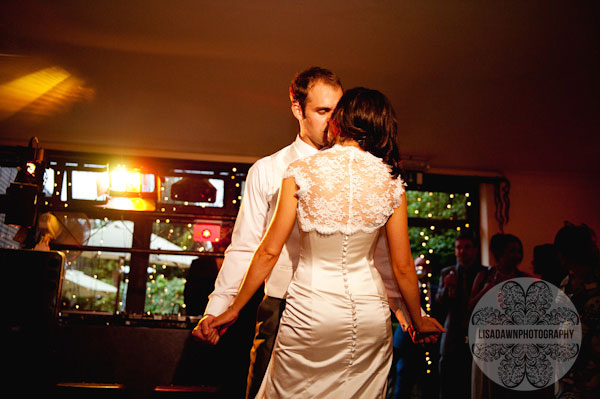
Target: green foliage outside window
<point x="439" y="248"/>
<point x="435" y="242"/>
<point x="164" y="295"/>
<point x="437" y="205"/>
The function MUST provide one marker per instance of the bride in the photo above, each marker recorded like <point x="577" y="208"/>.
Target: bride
<point x="335" y="337"/>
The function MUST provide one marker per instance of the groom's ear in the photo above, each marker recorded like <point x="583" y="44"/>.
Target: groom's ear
<point x="297" y="110"/>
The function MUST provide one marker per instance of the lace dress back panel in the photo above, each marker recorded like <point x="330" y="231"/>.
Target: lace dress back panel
<point x="344" y="189"/>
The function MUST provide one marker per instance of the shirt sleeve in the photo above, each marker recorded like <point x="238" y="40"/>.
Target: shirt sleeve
<point x="395" y="300"/>
<point x="249" y="228"/>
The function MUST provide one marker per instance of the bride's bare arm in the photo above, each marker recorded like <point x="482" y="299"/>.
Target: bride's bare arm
<point x="268" y="251"/>
<point x="404" y="269"/>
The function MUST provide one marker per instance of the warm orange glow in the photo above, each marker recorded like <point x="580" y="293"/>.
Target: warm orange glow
<point x="123" y="180"/>
<point x="131" y="204"/>
<point x="41" y="93"/>
<point x="20" y="92"/>
<point x="31" y="168"/>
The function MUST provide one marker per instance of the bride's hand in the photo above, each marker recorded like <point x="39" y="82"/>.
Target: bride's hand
<point x="427" y="332"/>
<point x="222" y="323"/>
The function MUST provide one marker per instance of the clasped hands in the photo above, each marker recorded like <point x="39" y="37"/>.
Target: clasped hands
<point x="427" y="333"/>
<point x="210" y="328"/>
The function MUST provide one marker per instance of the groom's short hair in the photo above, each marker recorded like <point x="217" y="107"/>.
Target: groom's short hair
<point x="305" y="80"/>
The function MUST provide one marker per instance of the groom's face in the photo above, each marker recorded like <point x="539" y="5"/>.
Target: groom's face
<point x="320" y="102"/>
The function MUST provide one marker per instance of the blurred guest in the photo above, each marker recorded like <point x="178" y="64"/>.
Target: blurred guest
<point x="199" y="283"/>
<point x="507" y="251"/>
<point x="452" y="299"/>
<point x="578" y="253"/>
<point x="547" y="265"/>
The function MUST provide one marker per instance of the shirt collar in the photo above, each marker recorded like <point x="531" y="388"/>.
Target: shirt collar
<point x="303" y="148"/>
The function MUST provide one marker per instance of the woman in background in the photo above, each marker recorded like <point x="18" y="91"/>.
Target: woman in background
<point x="507" y="251"/>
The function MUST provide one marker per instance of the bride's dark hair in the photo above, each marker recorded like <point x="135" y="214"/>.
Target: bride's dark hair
<point x="367" y="116"/>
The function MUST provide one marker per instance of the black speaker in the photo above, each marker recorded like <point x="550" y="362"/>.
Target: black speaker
<point x="21" y="204"/>
<point x="31" y="297"/>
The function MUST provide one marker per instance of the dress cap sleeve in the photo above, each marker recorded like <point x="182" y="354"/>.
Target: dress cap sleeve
<point x="297" y="170"/>
<point x="397" y="191"/>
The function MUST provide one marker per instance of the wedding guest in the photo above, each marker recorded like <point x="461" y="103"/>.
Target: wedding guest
<point x="452" y="299"/>
<point x="547" y="265"/>
<point x="578" y="252"/>
<point x="507" y="253"/>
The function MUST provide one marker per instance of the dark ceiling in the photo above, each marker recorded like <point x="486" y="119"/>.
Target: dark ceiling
<point x="477" y="85"/>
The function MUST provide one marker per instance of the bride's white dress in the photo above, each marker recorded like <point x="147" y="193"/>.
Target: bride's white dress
<point x="335" y="338"/>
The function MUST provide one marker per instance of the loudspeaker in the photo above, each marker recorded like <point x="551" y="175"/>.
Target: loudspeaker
<point x="21" y="203"/>
<point x="31" y="297"/>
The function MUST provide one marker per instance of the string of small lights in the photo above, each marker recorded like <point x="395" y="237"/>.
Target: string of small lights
<point x="425" y="205"/>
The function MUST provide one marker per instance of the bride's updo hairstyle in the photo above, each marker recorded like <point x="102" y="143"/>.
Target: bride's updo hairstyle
<point x="366" y="116"/>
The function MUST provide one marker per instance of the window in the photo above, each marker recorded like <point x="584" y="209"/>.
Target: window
<point x="130" y="244"/>
<point x="95" y="280"/>
<point x="131" y="236"/>
<point x="439" y="209"/>
<point x="436" y="219"/>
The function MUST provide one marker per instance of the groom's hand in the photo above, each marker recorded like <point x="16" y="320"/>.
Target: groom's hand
<point x="223" y="322"/>
<point x="204" y="332"/>
<point x="428" y="333"/>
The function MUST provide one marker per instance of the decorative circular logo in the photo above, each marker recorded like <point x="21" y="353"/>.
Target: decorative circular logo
<point x="524" y="334"/>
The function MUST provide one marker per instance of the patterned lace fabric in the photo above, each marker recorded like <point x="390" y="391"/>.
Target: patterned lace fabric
<point x="344" y="189"/>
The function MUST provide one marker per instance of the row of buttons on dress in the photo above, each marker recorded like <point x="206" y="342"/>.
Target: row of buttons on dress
<point x="347" y="289"/>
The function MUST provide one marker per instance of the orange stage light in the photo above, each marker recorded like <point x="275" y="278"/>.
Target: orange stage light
<point x="123" y="180"/>
<point x="131" y="204"/>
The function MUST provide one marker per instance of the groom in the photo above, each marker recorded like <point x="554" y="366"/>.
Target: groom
<point x="314" y="94"/>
